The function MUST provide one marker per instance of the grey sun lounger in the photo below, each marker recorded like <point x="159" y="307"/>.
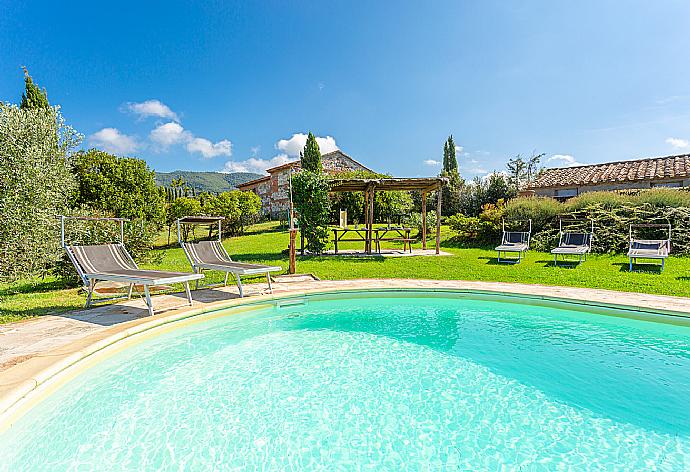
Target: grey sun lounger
<point x="654" y="249"/>
<point x="516" y="242"/>
<point x="112" y="262"/>
<point x="570" y="243"/>
<point x="211" y="255"/>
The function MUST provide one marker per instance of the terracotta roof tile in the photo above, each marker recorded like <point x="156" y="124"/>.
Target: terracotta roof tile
<point x="658" y="168"/>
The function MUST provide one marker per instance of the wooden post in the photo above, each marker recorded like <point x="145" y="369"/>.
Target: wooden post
<point x="438" y="220"/>
<point x="424" y="220"/>
<point x="366" y="218"/>
<point x="372" y="197"/>
<point x="293" y="250"/>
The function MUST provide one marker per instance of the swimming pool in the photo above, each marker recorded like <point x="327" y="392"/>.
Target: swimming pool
<point x="385" y="381"/>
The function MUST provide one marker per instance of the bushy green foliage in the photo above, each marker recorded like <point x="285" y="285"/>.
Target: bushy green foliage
<point x="123" y="186"/>
<point x="36" y="184"/>
<point x="33" y="97"/>
<point x="608" y="200"/>
<point x="311" y="156"/>
<point x="542" y="211"/>
<point x="479" y="192"/>
<point x="180" y="207"/>
<point x="414" y="220"/>
<point x="310" y="197"/>
<point x="481" y="230"/>
<point x="238" y="208"/>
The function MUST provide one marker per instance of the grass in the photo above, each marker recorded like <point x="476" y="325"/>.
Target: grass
<point x="263" y="244"/>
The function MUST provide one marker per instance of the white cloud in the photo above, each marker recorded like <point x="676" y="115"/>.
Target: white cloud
<point x="170" y="133"/>
<point x="431" y="162"/>
<point x="152" y="108"/>
<point x="459" y="149"/>
<point x="113" y="141"/>
<point x="293" y="146"/>
<point x="255" y="165"/>
<point x="678" y="143"/>
<point x="565" y="160"/>
<point x="207" y="149"/>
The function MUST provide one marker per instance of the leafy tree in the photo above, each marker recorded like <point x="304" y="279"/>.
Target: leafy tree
<point x="450" y="161"/>
<point x="124" y="186"/>
<point x="310" y="197"/>
<point x="311" y="156"/>
<point x="238" y="208"/>
<point x="180" y="207"/>
<point x="533" y="166"/>
<point x="33" y="97"/>
<point x="36" y="185"/>
<point x="517" y="171"/>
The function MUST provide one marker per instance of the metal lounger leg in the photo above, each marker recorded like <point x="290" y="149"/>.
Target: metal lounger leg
<point x="196" y="284"/>
<point x="92" y="286"/>
<point x="189" y="293"/>
<point x="239" y="285"/>
<point x="149" y="304"/>
<point x="129" y="292"/>
<point x="226" y="279"/>
<point x="268" y="277"/>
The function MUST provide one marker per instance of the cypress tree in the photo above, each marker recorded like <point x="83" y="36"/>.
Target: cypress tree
<point x="311" y="157"/>
<point x="33" y="97"/>
<point x="450" y="161"/>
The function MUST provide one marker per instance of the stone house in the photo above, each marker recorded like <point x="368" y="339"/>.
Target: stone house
<point x="274" y="189"/>
<point x="564" y="183"/>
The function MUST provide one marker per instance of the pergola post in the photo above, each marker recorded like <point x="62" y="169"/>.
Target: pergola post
<point x="424" y="220"/>
<point x="372" y="194"/>
<point x="438" y="220"/>
<point x="366" y="219"/>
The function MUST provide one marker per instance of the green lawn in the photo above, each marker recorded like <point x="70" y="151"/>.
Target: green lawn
<point x="264" y="243"/>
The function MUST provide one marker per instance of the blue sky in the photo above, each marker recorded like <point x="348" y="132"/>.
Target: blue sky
<point x="223" y="85"/>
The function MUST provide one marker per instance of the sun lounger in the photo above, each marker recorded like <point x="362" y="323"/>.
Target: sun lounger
<point x="516" y="242"/>
<point x="211" y="255"/>
<point x="571" y="243"/>
<point x="112" y="262"/>
<point x="654" y="249"/>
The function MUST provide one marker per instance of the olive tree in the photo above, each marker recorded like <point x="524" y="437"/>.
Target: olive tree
<point x="36" y="185"/>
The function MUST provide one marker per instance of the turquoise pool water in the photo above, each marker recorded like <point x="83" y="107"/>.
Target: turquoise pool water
<point x="385" y="383"/>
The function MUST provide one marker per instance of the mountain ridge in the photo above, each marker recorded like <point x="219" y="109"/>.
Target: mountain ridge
<point x="213" y="182"/>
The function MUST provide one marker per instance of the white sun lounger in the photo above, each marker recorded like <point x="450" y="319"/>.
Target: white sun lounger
<point x="654" y="249"/>
<point x="112" y="262"/>
<point x="571" y="243"/>
<point x="516" y="242"/>
<point x="211" y="255"/>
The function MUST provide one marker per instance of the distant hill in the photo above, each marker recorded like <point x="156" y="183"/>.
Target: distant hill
<point x="213" y="182"/>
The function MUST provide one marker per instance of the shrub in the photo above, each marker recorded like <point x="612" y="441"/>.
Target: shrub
<point x="607" y="200"/>
<point x="238" y="208"/>
<point x="542" y="211"/>
<point x="310" y="197"/>
<point x="414" y="220"/>
<point x="664" y="198"/>
<point x="481" y="230"/>
<point x="36" y="185"/>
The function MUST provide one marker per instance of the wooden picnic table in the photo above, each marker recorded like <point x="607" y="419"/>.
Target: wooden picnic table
<point x="379" y="234"/>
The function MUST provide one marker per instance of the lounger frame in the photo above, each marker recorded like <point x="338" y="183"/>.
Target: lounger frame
<point x="663" y="246"/>
<point x="90" y="279"/>
<point x="514" y="242"/>
<point x="565" y="248"/>
<point x="226" y="265"/>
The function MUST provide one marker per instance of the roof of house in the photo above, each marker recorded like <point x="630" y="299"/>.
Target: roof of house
<point x="326" y="157"/>
<point x="253" y="182"/>
<point x="657" y="168"/>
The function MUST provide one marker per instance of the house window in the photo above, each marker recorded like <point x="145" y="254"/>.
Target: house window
<point x="676" y="184"/>
<point x="566" y="192"/>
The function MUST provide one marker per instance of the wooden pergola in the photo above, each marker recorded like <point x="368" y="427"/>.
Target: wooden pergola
<point x="370" y="186"/>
